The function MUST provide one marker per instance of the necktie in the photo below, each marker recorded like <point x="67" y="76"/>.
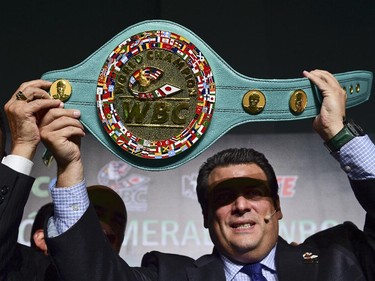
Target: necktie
<point x="254" y="271"/>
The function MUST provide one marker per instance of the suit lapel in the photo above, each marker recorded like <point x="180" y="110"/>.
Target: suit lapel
<point x="296" y="262"/>
<point x="208" y="267"/>
<point x="292" y="263"/>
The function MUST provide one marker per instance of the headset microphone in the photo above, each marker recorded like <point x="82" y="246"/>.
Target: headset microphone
<point x="267" y="218"/>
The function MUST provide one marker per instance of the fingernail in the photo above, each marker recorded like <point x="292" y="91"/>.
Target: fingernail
<point x="76" y="113"/>
<point x="61" y="105"/>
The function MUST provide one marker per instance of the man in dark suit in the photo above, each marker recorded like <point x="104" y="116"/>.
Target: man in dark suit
<point x="237" y="190"/>
<point x="19" y="262"/>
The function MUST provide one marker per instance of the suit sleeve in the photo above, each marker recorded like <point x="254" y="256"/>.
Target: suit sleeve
<point x="364" y="191"/>
<point x="83" y="253"/>
<point x="14" y="192"/>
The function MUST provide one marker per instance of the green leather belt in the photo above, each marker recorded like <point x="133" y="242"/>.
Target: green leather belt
<point x="156" y="95"/>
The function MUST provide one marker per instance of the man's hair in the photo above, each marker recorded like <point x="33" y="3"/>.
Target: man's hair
<point x="233" y="156"/>
<point x="105" y="197"/>
<point x="44" y="212"/>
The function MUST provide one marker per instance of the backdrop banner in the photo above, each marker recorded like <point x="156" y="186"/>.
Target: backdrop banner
<point x="163" y="212"/>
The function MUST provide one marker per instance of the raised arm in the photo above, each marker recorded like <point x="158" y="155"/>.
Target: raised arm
<point x="24" y="110"/>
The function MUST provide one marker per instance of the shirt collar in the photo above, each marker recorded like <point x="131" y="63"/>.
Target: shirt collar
<point x="231" y="268"/>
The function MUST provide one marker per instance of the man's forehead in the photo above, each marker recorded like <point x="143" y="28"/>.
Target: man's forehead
<point x="248" y="170"/>
<point x="239" y="182"/>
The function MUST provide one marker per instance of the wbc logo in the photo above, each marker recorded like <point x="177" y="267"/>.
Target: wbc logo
<point x="156" y="94"/>
<point x="131" y="187"/>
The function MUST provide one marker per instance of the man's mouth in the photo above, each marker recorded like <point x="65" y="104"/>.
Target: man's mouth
<point x="243" y="225"/>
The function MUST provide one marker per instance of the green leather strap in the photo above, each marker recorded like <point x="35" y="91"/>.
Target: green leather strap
<point x="231" y="87"/>
<point x="342" y="137"/>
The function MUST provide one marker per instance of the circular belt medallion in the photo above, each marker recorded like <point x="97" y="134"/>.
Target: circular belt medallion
<point x="155" y="94"/>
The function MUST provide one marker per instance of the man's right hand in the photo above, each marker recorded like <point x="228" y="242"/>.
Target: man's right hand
<point x="61" y="132"/>
<point x="25" y="114"/>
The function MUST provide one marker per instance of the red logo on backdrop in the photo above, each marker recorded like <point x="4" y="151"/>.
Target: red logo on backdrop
<point x="287" y="185"/>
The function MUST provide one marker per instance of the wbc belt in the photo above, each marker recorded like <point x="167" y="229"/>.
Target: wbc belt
<point x="156" y="95"/>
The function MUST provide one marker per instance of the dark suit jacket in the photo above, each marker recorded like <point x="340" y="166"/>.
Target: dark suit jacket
<point x="18" y="262"/>
<point x="343" y="253"/>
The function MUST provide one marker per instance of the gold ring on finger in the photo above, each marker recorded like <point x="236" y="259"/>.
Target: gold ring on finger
<point x="21" y="96"/>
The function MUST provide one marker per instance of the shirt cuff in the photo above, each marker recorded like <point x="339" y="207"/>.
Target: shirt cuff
<point x="18" y="163"/>
<point x="357" y="158"/>
<point x="70" y="203"/>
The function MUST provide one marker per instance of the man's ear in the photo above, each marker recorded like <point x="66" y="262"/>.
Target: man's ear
<point x="39" y="241"/>
<point x="279" y="213"/>
<point x="205" y="219"/>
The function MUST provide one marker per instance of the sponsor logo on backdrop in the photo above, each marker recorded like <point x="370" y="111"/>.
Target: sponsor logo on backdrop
<point x="131" y="187"/>
<point x="287" y="186"/>
<point x="188" y="185"/>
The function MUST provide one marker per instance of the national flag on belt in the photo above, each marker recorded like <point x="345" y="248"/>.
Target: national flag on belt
<point x="188" y="143"/>
<point x="158" y="151"/>
<point x="165" y="40"/>
<point x="132" y="144"/>
<point x="165" y="34"/>
<point x="124" y="58"/>
<point x="211" y="98"/>
<point x="212" y="86"/>
<point x="154" y="73"/>
<point x="192" y="54"/>
<point x="185" y="57"/>
<point x="198" y="78"/>
<point x="193" y="138"/>
<point x="135" y="43"/>
<point x="141" y="47"/>
<point x="207" y="70"/>
<point x="209" y="109"/>
<point x="178" y="44"/>
<point x="168" y="90"/>
<point x="146" y="143"/>
<point x="135" y="51"/>
<point x="206" y="94"/>
<point x="123" y="130"/>
<point x="99" y="91"/>
<point x="127" y="135"/>
<point x="175" y="36"/>
<point x="201" y="87"/>
<point x="184" y="133"/>
<point x="132" y="79"/>
<point x="134" y="138"/>
<point x="120" y="141"/>
<point x="168" y="47"/>
<point x="202" y="129"/>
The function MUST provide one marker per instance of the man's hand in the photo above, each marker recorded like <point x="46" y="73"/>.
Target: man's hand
<point x="24" y="110"/>
<point x="332" y="112"/>
<point x="61" y="132"/>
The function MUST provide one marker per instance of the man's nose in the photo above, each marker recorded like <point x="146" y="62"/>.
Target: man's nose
<point x="241" y="204"/>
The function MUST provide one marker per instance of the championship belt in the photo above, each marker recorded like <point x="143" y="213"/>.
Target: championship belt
<point x="156" y="95"/>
